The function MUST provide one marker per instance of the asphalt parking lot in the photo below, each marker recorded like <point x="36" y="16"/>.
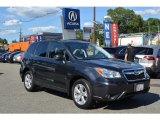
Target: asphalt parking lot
<point x="15" y="99"/>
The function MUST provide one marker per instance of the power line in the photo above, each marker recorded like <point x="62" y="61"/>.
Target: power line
<point x="49" y="13"/>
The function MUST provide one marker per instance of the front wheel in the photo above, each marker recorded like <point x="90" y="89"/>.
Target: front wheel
<point x="28" y="81"/>
<point x="82" y="94"/>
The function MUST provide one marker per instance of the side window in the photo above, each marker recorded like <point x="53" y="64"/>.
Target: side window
<point x="56" y="48"/>
<point x="41" y="49"/>
<point x="31" y="49"/>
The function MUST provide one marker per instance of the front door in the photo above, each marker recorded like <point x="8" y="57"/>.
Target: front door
<point x="58" y="69"/>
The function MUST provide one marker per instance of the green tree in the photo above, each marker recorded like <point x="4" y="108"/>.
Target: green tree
<point x="99" y="34"/>
<point x="151" y="25"/>
<point x="3" y="41"/>
<point x="128" y="21"/>
<point x="79" y="34"/>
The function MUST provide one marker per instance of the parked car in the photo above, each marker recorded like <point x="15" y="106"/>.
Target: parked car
<point x="144" y="55"/>
<point x="3" y="58"/>
<point x="18" y="57"/>
<point x="10" y="57"/>
<point x="2" y="51"/>
<point x="83" y="70"/>
<point x="158" y="64"/>
<point x="116" y="52"/>
<point x="148" y="58"/>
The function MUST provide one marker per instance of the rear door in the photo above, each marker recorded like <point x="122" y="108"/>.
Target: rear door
<point x="40" y="64"/>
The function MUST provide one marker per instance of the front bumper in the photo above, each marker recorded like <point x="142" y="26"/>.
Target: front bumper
<point x="108" y="91"/>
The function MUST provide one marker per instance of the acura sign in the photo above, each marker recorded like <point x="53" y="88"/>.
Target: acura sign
<point x="72" y="15"/>
<point x="71" y="18"/>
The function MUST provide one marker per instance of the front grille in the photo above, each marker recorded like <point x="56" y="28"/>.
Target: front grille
<point x="134" y="74"/>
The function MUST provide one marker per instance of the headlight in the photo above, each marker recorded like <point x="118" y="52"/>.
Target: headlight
<point x="108" y="73"/>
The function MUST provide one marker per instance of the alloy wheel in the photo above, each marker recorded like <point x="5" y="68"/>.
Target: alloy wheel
<point x="28" y="81"/>
<point x="80" y="94"/>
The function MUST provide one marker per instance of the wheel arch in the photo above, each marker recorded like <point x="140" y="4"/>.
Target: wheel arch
<point x="24" y="71"/>
<point x="73" y="79"/>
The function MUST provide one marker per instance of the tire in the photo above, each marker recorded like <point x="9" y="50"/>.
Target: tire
<point x="28" y="82"/>
<point x="82" y="94"/>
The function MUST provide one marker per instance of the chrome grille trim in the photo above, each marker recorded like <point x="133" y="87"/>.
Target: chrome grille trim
<point x="136" y="73"/>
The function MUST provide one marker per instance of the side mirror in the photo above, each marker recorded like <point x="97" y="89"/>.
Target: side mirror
<point x="59" y="57"/>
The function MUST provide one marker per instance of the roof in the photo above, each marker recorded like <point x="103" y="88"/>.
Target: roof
<point x="152" y="46"/>
<point x="67" y="41"/>
<point x="79" y="41"/>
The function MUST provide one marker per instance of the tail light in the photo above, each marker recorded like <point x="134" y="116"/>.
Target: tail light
<point x="150" y="57"/>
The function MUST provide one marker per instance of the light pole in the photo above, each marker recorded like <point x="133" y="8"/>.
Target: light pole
<point x="94" y="25"/>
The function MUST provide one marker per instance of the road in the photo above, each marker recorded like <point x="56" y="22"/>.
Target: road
<point x="15" y="99"/>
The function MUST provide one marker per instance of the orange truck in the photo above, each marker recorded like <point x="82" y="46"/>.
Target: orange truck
<point x="18" y="46"/>
<point x="22" y="45"/>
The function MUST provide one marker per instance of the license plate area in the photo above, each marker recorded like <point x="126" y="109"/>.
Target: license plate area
<point x="139" y="87"/>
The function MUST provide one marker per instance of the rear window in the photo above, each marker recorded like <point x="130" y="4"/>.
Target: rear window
<point x="143" y="51"/>
<point x="110" y="50"/>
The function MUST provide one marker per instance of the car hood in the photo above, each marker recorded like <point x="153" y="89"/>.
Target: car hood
<point x="111" y="64"/>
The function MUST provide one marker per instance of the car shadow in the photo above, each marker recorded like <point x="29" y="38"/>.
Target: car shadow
<point x="130" y="103"/>
<point x="155" y="77"/>
<point x="1" y="73"/>
<point x="54" y="92"/>
<point x="158" y="76"/>
<point x="127" y="103"/>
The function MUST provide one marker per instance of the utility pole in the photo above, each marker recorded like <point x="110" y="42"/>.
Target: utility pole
<point x="20" y="35"/>
<point x="149" y="33"/>
<point x="94" y="25"/>
<point x="149" y="28"/>
<point x="158" y="33"/>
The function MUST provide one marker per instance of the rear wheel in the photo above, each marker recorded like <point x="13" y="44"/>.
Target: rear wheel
<point x="82" y="94"/>
<point x="28" y="81"/>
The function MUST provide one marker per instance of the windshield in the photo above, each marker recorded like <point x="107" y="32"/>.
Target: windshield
<point x="84" y="51"/>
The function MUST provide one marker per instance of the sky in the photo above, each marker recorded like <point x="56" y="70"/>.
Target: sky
<point x="32" y="20"/>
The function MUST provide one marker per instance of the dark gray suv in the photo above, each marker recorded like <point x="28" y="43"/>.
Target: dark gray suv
<point x="83" y="70"/>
